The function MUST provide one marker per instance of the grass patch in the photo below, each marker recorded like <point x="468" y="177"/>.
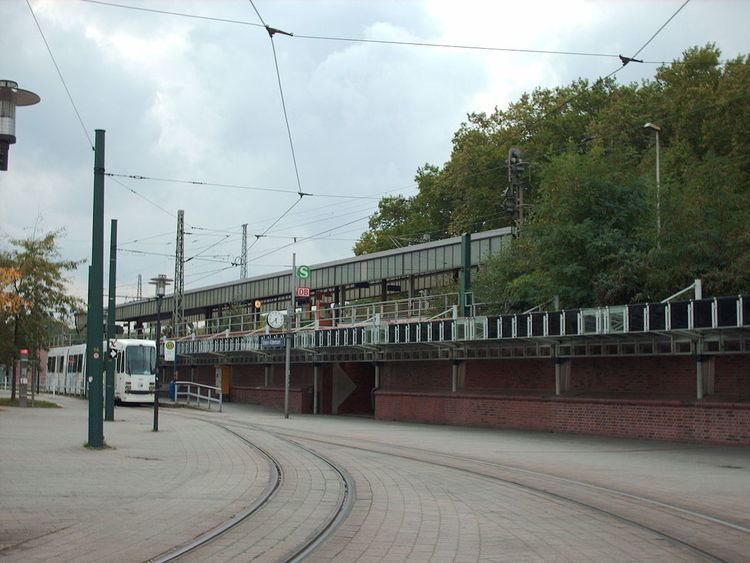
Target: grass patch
<point x="38" y="404"/>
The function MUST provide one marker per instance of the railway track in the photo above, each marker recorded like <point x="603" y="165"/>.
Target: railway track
<point x="244" y="518"/>
<point x="644" y="513"/>
<point x="675" y="524"/>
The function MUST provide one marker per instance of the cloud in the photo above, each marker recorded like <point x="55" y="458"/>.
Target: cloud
<point x="192" y="99"/>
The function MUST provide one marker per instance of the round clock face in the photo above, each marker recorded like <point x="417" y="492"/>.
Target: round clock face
<point x="275" y="319"/>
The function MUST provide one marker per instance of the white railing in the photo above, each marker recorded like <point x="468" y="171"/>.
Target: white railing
<point x="196" y="391"/>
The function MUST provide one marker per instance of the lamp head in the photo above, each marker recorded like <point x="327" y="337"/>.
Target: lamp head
<point x="161" y="282"/>
<point x="652" y="126"/>
<point x="11" y="96"/>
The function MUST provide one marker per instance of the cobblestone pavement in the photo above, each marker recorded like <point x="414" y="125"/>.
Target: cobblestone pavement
<point x="309" y="495"/>
<point x="151" y="491"/>
<point x="422" y="493"/>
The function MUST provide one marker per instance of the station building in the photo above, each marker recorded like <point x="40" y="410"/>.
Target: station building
<point x="380" y="336"/>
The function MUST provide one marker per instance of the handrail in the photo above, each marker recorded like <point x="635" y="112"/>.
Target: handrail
<point x="212" y="395"/>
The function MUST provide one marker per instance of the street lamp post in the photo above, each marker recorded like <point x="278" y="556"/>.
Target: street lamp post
<point x="657" y="129"/>
<point x="160" y="282"/>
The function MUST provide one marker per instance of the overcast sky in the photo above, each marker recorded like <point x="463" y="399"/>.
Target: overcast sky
<point x="193" y="99"/>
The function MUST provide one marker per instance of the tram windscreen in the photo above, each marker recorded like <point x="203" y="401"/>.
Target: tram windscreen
<point x="140" y="360"/>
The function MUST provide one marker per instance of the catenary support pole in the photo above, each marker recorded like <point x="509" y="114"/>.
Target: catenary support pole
<point x="158" y="367"/>
<point x="464" y="288"/>
<point x="289" y="319"/>
<point x="109" y="388"/>
<point x="94" y="333"/>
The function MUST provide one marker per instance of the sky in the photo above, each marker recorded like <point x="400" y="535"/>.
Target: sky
<point x="199" y="100"/>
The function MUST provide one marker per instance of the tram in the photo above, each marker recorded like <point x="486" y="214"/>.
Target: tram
<point x="135" y="367"/>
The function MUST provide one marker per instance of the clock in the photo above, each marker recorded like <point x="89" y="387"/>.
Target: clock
<point x="275" y="319"/>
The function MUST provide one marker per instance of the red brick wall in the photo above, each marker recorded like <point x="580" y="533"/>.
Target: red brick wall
<point x="510" y="374"/>
<point x="247" y="376"/>
<point x="300" y="400"/>
<point x="428" y="375"/>
<point x="658" y="375"/>
<point x="649" y="377"/>
<point x="723" y="423"/>
<point x="732" y="376"/>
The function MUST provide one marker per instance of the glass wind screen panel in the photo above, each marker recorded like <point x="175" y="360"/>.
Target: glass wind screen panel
<point x="617" y="319"/>
<point x="391" y="268"/>
<point x="423" y="261"/>
<point x="374" y="270"/>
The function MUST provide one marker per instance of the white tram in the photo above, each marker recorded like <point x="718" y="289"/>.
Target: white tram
<point x="134" y="370"/>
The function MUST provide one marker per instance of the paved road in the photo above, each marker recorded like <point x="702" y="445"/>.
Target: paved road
<point x="420" y="492"/>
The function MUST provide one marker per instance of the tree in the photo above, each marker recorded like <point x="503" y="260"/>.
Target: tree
<point x="9" y="301"/>
<point x="590" y="233"/>
<point x="39" y="285"/>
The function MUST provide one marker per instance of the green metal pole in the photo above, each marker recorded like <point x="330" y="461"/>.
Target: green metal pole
<point x="94" y="333"/>
<point x="158" y="363"/>
<point x="465" y="277"/>
<point x="109" y="393"/>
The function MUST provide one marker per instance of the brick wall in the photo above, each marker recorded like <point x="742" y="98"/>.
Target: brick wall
<point x="300" y="400"/>
<point x="429" y="375"/>
<point x="510" y="374"/>
<point x="722" y="423"/>
<point x="247" y="376"/>
<point x="732" y="376"/>
<point x="657" y="374"/>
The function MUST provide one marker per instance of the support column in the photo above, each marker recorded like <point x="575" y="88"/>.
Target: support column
<point x="336" y="300"/>
<point x="562" y="375"/>
<point x="266" y="370"/>
<point x="700" y="384"/>
<point x="456" y="382"/>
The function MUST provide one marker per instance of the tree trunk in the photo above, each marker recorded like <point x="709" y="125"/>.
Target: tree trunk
<point x="15" y="351"/>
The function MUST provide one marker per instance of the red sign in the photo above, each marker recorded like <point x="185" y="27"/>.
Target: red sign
<point x="24" y="352"/>
<point x="303" y="292"/>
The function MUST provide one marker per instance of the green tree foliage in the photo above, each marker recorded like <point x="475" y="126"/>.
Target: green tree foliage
<point x="40" y="285"/>
<point x="590" y="234"/>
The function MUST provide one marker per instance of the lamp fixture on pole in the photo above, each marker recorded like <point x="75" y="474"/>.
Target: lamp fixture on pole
<point x="11" y="96"/>
<point x="657" y="129"/>
<point x="161" y="282"/>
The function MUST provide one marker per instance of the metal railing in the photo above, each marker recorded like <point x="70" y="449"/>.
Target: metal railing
<point x="682" y="316"/>
<point x="198" y="392"/>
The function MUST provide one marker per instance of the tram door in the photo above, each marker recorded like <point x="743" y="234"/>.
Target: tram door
<point x="222" y="380"/>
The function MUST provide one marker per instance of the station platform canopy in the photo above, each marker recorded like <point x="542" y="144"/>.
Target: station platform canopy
<point x="425" y="266"/>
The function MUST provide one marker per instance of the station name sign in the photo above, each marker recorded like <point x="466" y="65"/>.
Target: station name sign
<point x="272" y="342"/>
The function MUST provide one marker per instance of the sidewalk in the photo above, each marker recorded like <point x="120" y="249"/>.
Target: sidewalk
<point x="150" y="491"/>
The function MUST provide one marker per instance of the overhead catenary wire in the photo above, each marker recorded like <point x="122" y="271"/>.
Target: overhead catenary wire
<point x="271" y="32"/>
<point x="232" y="186"/>
<point x="370" y="41"/>
<point x="624" y="60"/>
<point x="59" y="74"/>
<point x="605" y="77"/>
<point x="131" y="190"/>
